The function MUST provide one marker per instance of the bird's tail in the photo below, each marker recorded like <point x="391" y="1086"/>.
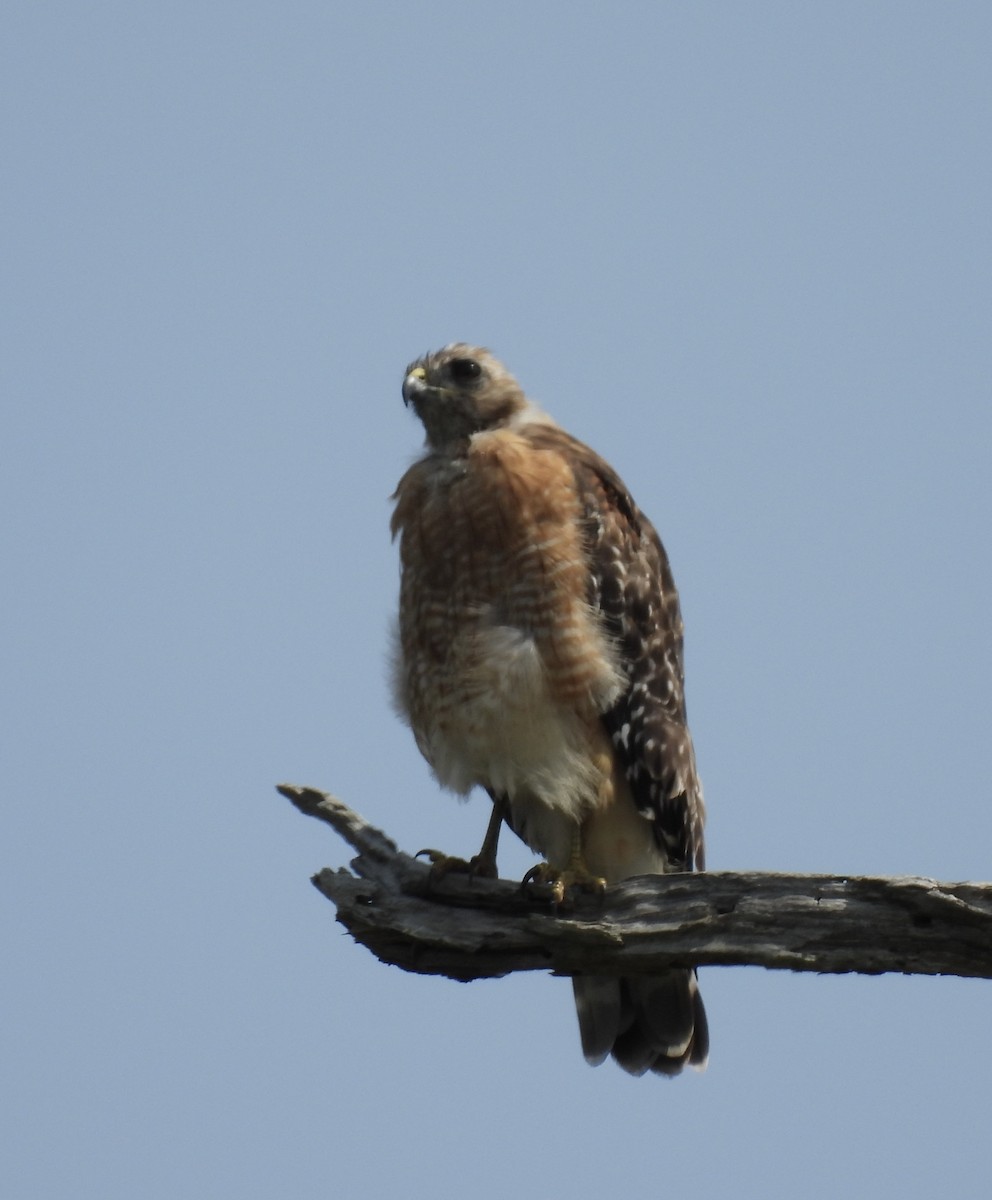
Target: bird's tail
<point x="650" y="1023"/>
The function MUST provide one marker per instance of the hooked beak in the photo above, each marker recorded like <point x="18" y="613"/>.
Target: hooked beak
<point x="414" y="385"/>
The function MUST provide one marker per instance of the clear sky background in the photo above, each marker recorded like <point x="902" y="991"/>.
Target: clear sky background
<point x="743" y="249"/>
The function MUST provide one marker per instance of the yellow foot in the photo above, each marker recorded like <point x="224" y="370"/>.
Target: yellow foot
<point x="575" y="878"/>
<point x="445" y="864"/>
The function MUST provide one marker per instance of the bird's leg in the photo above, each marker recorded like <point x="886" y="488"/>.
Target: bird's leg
<point x="483" y="863"/>
<point x="576" y="876"/>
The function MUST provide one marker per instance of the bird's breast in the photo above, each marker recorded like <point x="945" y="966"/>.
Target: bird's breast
<point x="499" y="650"/>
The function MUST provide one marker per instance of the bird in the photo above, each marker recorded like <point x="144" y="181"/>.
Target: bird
<point x="538" y="655"/>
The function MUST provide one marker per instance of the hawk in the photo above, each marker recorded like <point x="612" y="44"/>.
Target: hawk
<point x="539" y="656"/>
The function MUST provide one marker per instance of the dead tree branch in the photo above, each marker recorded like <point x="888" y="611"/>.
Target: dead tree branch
<point x="473" y="929"/>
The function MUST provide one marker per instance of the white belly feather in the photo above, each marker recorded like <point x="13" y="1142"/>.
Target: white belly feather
<point x="503" y="730"/>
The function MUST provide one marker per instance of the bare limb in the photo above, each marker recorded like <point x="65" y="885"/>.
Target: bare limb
<point x="473" y="929"/>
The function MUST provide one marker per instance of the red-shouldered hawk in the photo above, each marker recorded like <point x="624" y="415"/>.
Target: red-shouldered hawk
<point x="539" y="656"/>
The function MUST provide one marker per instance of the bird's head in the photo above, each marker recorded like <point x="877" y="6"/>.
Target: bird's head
<point x="459" y="391"/>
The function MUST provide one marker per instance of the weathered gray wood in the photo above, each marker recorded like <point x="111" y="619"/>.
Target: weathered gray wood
<point x="473" y="929"/>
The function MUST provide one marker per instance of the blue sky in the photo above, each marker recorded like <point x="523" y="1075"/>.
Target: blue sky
<point x="741" y="249"/>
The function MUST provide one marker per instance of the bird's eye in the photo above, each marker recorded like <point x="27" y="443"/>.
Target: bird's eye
<point x="463" y="370"/>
